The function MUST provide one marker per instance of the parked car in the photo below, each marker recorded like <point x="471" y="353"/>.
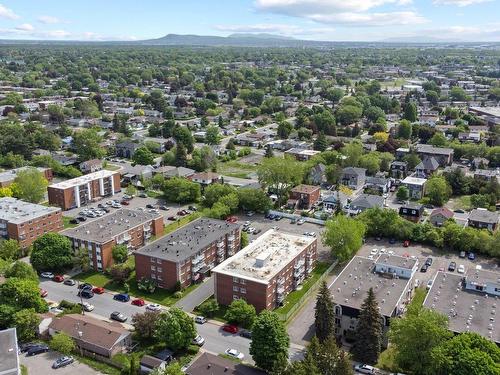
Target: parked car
<point x="85" y="293"/>
<point x="153" y="307"/>
<point x="58" y="278"/>
<point x="74" y="221"/>
<point x="452" y="266"/>
<point x="235" y="354"/>
<point x="85" y="286"/>
<point x="278" y="218"/>
<point x="364" y="369"/>
<point x="47" y="275"/>
<point x="462" y="254"/>
<point x="98" y="290"/>
<point x="429" y="284"/>
<point x="138" y="302"/>
<point x="198" y="340"/>
<point x="81" y="218"/>
<point x="428" y="261"/>
<point x="171" y="218"/>
<point x="406" y="243"/>
<point x="293" y="221"/>
<point x="424" y="268"/>
<point x="232" y="219"/>
<point x="62" y="361"/>
<point x="374" y="252"/>
<point x="149" y="205"/>
<point x="246" y="333"/>
<point x="23" y="348"/>
<point x="392" y="240"/>
<point x="69" y="282"/>
<point x="143" y="195"/>
<point x="300" y="221"/>
<point x="471" y="256"/>
<point x="230" y="328"/>
<point x="38" y="349"/>
<point x="122" y="297"/>
<point x="250" y="213"/>
<point x="459" y="211"/>
<point x="200" y="319"/>
<point x="87" y="306"/>
<point x="461" y="269"/>
<point x="164" y="208"/>
<point x="125" y="203"/>
<point x="118" y="316"/>
<point x="192" y="208"/>
<point x="43" y="293"/>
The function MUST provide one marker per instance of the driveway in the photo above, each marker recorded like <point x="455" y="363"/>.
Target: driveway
<point x="197" y="296"/>
<point x="42" y="364"/>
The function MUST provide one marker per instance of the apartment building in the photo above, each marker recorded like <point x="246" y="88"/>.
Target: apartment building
<point x="265" y="271"/>
<point x="7" y="177"/>
<point x="79" y="191"/>
<point x="124" y="226"/>
<point x="25" y="222"/>
<point x="188" y="254"/>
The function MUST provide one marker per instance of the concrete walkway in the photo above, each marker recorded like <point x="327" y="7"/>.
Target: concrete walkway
<point x="197" y="296"/>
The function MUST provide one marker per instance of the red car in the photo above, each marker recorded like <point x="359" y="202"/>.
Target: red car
<point x="43" y="293"/>
<point x="125" y="203"/>
<point x="98" y="290"/>
<point x="230" y="328"/>
<point x="58" y="278"/>
<point x="406" y="243"/>
<point x="182" y="212"/>
<point x="232" y="219"/>
<point x="138" y="302"/>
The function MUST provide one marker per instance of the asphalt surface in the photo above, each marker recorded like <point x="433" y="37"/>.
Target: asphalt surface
<point x="197" y="296"/>
<point x="42" y="364"/>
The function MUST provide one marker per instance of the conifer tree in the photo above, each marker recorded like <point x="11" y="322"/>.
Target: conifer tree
<point x="368" y="336"/>
<point x="325" y="315"/>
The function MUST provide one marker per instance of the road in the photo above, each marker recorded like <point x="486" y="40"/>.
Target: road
<point x="42" y="364"/>
<point x="197" y="296"/>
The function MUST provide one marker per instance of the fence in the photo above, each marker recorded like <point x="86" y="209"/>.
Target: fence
<point x="285" y="317"/>
<point x="298" y="217"/>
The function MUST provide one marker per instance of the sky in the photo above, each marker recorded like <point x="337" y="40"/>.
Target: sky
<point x="328" y="20"/>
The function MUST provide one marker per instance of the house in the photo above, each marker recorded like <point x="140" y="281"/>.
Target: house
<point x="134" y="174"/>
<point x="169" y="171"/>
<point x="94" y="336"/>
<point x="149" y="363"/>
<point x="126" y="149"/>
<point x="481" y="218"/>
<point x="379" y="184"/>
<point x="335" y="200"/>
<point x="478" y="163"/>
<point x="444" y="156"/>
<point x="301" y="154"/>
<point x="250" y="139"/>
<point x="485" y="174"/>
<point x="354" y="178"/>
<point x="304" y="196"/>
<point x="210" y="364"/>
<point x="90" y="166"/>
<point x="426" y="167"/>
<point x="364" y="202"/>
<point x="412" y="211"/>
<point x="9" y="353"/>
<point x="469" y="137"/>
<point x="440" y="215"/>
<point x="399" y="169"/>
<point x="206" y="178"/>
<point x="416" y="186"/>
<point x="317" y="175"/>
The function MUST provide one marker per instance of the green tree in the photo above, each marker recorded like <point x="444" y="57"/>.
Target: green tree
<point x="145" y="325"/>
<point x="244" y="240"/>
<point x="403" y="193"/>
<point x="353" y="152"/>
<point x="269" y="152"/>
<point x="209" y="307"/>
<point x="240" y="312"/>
<point x="175" y="329"/>
<point x="51" y="252"/>
<point x="119" y="253"/>
<point x="280" y="175"/>
<point x="213" y="193"/>
<point x="371" y="162"/>
<point x="344" y="236"/>
<point x="410" y="112"/>
<point x="62" y="343"/>
<point x="368" y="335"/>
<point x="413" y="160"/>
<point x="87" y="144"/>
<point x="347" y="114"/>
<point x="284" y="129"/>
<point x="30" y="185"/>
<point x="405" y="129"/>
<point x="212" y="136"/>
<point x="131" y="190"/>
<point x="328" y="358"/>
<point x="22" y="294"/>
<point x="180" y="155"/>
<point x="143" y="156"/>
<point x="173" y="368"/>
<point x="437" y="190"/>
<point x="324" y="320"/>
<point x="458" y="94"/>
<point x="21" y="270"/>
<point x="181" y="190"/>
<point x="10" y="250"/>
<point x="251" y="199"/>
<point x="438" y="140"/>
<point x="270" y="340"/>
<point x="26" y="322"/>
<point x="320" y="144"/>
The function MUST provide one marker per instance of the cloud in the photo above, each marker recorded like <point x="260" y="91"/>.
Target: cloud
<point x="7" y="13"/>
<point x="25" y="27"/>
<point x="352" y="12"/>
<point x="49" y="20"/>
<point x="460" y="3"/>
<point x="261" y="28"/>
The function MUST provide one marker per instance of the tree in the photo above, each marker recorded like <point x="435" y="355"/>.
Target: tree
<point x="143" y="156"/>
<point x="327" y="358"/>
<point x="175" y="329"/>
<point x="213" y="193"/>
<point x="243" y="240"/>
<point x="344" y="236"/>
<point x="87" y="145"/>
<point x="181" y="190"/>
<point x="26" y="322"/>
<point x="279" y="175"/>
<point x="180" y="155"/>
<point x="209" y="307"/>
<point x="270" y="340"/>
<point x="368" y="336"/>
<point x="145" y="324"/>
<point x="120" y="273"/>
<point x="51" y="252"/>
<point x="30" y="185"/>
<point x="212" y="136"/>
<point x="10" y="250"/>
<point x="410" y="112"/>
<point x="21" y="270"/>
<point x="413" y="160"/>
<point x="353" y="152"/>
<point x="347" y="114"/>
<point x="438" y="190"/>
<point x="22" y="294"/>
<point x="438" y="140"/>
<point x="371" y="162"/>
<point x="119" y="253"/>
<point x="405" y="129"/>
<point x="458" y="94"/>
<point x="320" y="144"/>
<point x="324" y="320"/>
<point x="403" y="193"/>
<point x="467" y="353"/>
<point x="415" y="336"/>
<point x="62" y="343"/>
<point x="240" y="312"/>
<point x="251" y="199"/>
<point x="132" y="190"/>
<point x="284" y="129"/>
<point x="5" y="192"/>
<point x="173" y="368"/>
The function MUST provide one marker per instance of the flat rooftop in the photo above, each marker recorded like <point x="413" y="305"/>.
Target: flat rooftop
<point x="351" y="286"/>
<point x="11" y="174"/>
<point x="273" y="250"/>
<point x="105" y="228"/>
<point x="489" y="111"/>
<point x="414" y="181"/>
<point x="16" y="211"/>
<point x="466" y="310"/>
<point x="397" y="261"/>
<point x="83" y="179"/>
<point x="188" y="240"/>
<point x="9" y="360"/>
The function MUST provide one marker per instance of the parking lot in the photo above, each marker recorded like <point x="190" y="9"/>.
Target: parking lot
<point x="42" y="364"/>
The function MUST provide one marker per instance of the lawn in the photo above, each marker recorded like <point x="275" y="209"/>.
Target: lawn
<point x="181" y="222"/>
<point x="67" y="224"/>
<point x="112" y="167"/>
<point x="218" y="315"/>
<point x="235" y="168"/>
<point x="101" y="367"/>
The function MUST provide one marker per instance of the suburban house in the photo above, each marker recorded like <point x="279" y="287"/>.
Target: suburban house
<point x="399" y="169"/>
<point x="354" y="178"/>
<point x="206" y="178"/>
<point x="301" y="154"/>
<point x="169" y="171"/>
<point x="444" y="156"/>
<point x="485" y="174"/>
<point x="210" y="364"/>
<point x="471" y="136"/>
<point x="249" y="139"/>
<point x="126" y="149"/>
<point x="440" y="215"/>
<point x="379" y="184"/>
<point x="416" y="186"/>
<point x="317" y="175"/>
<point x="481" y="218"/>
<point x="304" y="196"/>
<point x="331" y="202"/>
<point x="95" y="336"/>
<point x="426" y="167"/>
<point x="412" y="211"/>
<point x="364" y="202"/>
<point x="90" y="166"/>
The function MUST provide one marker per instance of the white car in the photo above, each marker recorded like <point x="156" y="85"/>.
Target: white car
<point x="87" y="306"/>
<point x="47" y="275"/>
<point x="390" y="252"/>
<point x="198" y="340"/>
<point x="429" y="284"/>
<point x="374" y="252"/>
<point x="116" y="205"/>
<point x="153" y="307"/>
<point x="235" y="354"/>
<point x="364" y="369"/>
<point x="300" y="221"/>
<point x="200" y="319"/>
<point x="461" y="269"/>
<point x="55" y="310"/>
<point x="382" y="251"/>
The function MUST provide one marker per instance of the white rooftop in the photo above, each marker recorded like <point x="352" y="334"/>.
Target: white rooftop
<point x="262" y="259"/>
<point x="83" y="179"/>
<point x="17" y="211"/>
<point x="414" y="181"/>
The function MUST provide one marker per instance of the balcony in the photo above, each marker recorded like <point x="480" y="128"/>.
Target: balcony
<point x="299" y="264"/>
<point x="231" y="238"/>
<point x="280" y="281"/>
<point x="220" y="244"/>
<point x="197" y="267"/>
<point x="280" y="289"/>
<point x="198" y="259"/>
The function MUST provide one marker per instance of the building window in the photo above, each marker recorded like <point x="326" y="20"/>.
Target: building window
<point x="243" y="281"/>
<point x="243" y="290"/>
<point x="235" y="297"/>
<point x="158" y="261"/>
<point x="153" y="268"/>
<point x="153" y="276"/>
<point x="159" y="269"/>
<point x="235" y="288"/>
<point x="153" y="260"/>
<point x="159" y="277"/>
<point x="235" y="280"/>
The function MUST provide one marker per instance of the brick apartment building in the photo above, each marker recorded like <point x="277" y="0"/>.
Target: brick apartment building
<point x="188" y="254"/>
<point x="25" y="222"/>
<point x="124" y="226"/>
<point x="304" y="196"/>
<point x="82" y="190"/>
<point x="7" y="177"/>
<point x="265" y="271"/>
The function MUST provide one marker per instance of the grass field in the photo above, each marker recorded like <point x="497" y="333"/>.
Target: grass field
<point x="67" y="224"/>
<point x="235" y="168"/>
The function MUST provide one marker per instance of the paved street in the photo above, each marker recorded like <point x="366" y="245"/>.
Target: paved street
<point x="197" y="296"/>
<point x="41" y="364"/>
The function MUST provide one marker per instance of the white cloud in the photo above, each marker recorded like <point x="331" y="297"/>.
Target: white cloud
<point x="49" y="20"/>
<point x="7" y="13"/>
<point x="261" y="28"/>
<point x="25" y="27"/>
<point x="460" y="3"/>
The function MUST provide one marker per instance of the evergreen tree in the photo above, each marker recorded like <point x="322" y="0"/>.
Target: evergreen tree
<point x="368" y="335"/>
<point x="269" y="152"/>
<point x="410" y="112"/>
<point x="327" y="358"/>
<point x="320" y="144"/>
<point x="180" y="155"/>
<point x="325" y="315"/>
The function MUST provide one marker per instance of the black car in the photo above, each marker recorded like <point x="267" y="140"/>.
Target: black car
<point x="428" y="261"/>
<point x="392" y="241"/>
<point x="150" y="206"/>
<point x="69" y="282"/>
<point x="63" y="361"/>
<point x="23" y="348"/>
<point x="192" y="208"/>
<point x="246" y="333"/>
<point x="86" y="293"/>
<point x="81" y="218"/>
<point x="106" y="209"/>
<point x="424" y="268"/>
<point x="278" y="218"/>
<point x="85" y="286"/>
<point x="452" y="266"/>
<point x="37" y="350"/>
<point x="100" y="205"/>
<point x="164" y="208"/>
<point x="74" y="221"/>
<point x="115" y="315"/>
